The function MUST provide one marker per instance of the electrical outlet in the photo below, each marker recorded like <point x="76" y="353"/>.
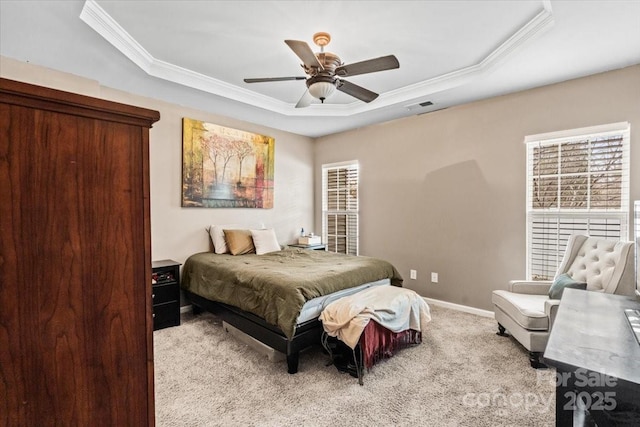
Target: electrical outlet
<point x="413" y="274"/>
<point x="434" y="277"/>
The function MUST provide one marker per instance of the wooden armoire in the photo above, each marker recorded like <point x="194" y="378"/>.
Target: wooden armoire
<point x="76" y="343"/>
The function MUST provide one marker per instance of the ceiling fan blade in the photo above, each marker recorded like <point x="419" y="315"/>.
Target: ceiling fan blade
<point x="356" y="91"/>
<point x="305" y="101"/>
<point x="305" y="53"/>
<point x="273" y="79"/>
<point x="369" y="66"/>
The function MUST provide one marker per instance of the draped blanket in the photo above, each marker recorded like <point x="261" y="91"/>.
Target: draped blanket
<point x="396" y="309"/>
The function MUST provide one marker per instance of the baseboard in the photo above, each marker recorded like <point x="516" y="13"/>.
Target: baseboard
<point x="186" y="309"/>
<point x="459" y="307"/>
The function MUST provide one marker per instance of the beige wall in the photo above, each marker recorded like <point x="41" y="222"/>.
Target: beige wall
<point x="441" y="192"/>
<point x="445" y="192"/>
<point x="177" y="232"/>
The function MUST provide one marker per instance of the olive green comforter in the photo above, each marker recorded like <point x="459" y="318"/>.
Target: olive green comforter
<point x="276" y="285"/>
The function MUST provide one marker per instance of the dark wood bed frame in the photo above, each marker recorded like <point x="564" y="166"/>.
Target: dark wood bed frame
<point x="306" y="335"/>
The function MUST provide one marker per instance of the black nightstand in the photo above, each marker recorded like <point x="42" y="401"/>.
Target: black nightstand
<point x="165" y="293"/>
<point x="318" y="247"/>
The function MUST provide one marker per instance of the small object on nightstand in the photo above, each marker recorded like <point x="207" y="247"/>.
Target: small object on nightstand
<point x="165" y="293"/>
<point x="310" y="240"/>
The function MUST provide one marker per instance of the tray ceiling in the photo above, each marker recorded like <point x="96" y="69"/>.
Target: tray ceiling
<point x="450" y="52"/>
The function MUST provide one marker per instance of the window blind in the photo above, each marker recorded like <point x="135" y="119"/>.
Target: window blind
<point x="576" y="184"/>
<point x="340" y="207"/>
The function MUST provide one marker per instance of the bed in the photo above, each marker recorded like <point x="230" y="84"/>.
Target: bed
<point x="277" y="297"/>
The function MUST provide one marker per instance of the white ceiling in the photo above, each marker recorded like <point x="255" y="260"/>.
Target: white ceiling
<point x="196" y="53"/>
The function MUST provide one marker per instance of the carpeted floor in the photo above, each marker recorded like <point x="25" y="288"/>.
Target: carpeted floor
<point x="463" y="374"/>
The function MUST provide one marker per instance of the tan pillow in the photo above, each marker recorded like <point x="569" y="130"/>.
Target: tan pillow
<point x="217" y="237"/>
<point x="239" y="242"/>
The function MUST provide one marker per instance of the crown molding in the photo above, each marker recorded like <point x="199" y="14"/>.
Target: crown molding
<point x="542" y="22"/>
<point x="101" y="22"/>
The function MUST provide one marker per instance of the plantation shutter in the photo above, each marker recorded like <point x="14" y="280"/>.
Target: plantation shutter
<point x="340" y="207"/>
<point x="576" y="184"/>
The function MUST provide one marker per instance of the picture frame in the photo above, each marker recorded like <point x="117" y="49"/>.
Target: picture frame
<point x="224" y="167"/>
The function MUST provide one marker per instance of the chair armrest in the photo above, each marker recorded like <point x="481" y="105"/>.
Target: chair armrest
<point x="537" y="287"/>
<point x="551" y="310"/>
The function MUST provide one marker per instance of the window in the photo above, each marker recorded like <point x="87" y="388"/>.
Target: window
<point x="340" y="207"/>
<point x="577" y="183"/>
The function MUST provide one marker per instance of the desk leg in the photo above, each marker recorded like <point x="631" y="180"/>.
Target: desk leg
<point x="570" y="410"/>
<point x="564" y="404"/>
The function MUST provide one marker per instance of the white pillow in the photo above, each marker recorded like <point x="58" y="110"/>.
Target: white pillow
<point x="265" y="241"/>
<point x="217" y="237"/>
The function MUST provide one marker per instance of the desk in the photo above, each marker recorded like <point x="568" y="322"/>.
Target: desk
<point x="597" y="360"/>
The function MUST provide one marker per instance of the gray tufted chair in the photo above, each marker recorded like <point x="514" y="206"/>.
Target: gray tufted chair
<point x="526" y="310"/>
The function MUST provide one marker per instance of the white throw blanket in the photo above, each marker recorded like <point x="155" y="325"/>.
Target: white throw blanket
<point x="397" y="309"/>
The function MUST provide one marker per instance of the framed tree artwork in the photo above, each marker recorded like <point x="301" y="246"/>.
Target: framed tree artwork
<point x="225" y="168"/>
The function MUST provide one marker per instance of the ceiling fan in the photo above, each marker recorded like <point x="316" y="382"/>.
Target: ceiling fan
<point x="324" y="70"/>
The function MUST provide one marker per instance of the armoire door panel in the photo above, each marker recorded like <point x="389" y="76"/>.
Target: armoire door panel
<point x="74" y="260"/>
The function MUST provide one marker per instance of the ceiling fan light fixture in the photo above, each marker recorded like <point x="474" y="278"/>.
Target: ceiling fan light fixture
<point x="321" y="39"/>
<point x="323" y="69"/>
<point x="322" y="90"/>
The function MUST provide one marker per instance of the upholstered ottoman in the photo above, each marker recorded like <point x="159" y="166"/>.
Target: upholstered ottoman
<point x="375" y="323"/>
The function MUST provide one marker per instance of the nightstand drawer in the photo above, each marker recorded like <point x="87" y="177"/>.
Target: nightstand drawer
<point x="165" y="293"/>
<point x="165" y="315"/>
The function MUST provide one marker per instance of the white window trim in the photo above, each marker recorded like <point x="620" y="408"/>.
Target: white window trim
<point x="558" y="136"/>
<point x="325" y="211"/>
<point x="554" y="138"/>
